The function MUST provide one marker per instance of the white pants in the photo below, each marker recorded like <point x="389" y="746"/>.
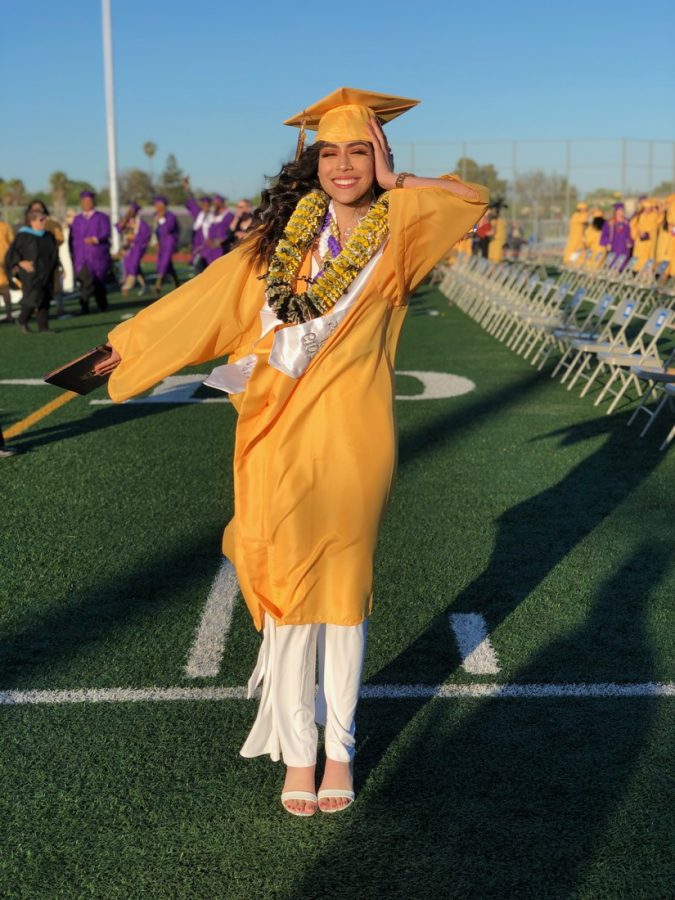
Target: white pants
<point x="289" y="711"/>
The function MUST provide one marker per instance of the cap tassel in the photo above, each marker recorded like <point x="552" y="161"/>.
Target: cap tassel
<point x="300" y="146"/>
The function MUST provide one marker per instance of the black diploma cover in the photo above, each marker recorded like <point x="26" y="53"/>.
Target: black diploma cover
<point x="78" y="374"/>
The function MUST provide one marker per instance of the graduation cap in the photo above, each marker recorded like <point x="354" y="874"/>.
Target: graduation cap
<point x="344" y="115"/>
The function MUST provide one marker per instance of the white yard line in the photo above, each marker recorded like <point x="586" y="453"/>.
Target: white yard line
<point x="607" y="690"/>
<point x="206" y="652"/>
<point x="478" y="655"/>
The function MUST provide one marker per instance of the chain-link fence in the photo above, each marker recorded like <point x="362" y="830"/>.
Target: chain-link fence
<point x="542" y="180"/>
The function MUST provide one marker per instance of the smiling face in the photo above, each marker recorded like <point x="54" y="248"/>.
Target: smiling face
<point x="347" y="171"/>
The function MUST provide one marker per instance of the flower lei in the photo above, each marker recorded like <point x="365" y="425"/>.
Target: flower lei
<point x="338" y="273"/>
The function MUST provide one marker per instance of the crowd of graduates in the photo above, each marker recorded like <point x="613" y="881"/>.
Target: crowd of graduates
<point x="46" y="258"/>
<point x="647" y="235"/>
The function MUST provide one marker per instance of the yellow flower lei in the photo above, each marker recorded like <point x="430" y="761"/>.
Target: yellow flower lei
<point x="299" y="233"/>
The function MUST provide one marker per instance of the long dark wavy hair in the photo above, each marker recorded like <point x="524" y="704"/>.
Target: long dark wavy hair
<point x="278" y="201"/>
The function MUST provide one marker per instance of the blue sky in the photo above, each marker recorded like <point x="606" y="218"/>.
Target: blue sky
<point x="212" y="80"/>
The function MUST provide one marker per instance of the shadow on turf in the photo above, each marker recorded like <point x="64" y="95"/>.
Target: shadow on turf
<point x="83" y="621"/>
<point x="99" y="419"/>
<point x="505" y="797"/>
<point x="509" y="797"/>
<point x="533" y="536"/>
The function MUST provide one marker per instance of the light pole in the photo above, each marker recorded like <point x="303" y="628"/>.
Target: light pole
<point x="110" y="120"/>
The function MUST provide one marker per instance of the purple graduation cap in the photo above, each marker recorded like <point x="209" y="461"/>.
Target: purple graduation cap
<point x="204" y="199"/>
<point x="90" y="194"/>
<point x="134" y="207"/>
<point x="217" y="197"/>
<point x="618" y="205"/>
<point x="161" y="198"/>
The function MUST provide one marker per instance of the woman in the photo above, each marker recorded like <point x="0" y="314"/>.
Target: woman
<point x="167" y="232"/>
<point x="6" y="238"/>
<point x="135" y="239"/>
<point x="32" y="258"/>
<point x="309" y="309"/>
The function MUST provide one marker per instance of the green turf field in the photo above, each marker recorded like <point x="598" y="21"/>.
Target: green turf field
<point x="515" y="501"/>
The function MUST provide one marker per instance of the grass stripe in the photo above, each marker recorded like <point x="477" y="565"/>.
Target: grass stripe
<point x="478" y="655"/>
<point x="368" y="692"/>
<point x="46" y="410"/>
<point x="209" y="645"/>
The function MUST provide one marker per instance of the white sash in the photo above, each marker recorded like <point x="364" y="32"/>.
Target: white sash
<point x="294" y="347"/>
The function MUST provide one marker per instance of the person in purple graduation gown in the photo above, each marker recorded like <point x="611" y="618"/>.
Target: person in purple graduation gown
<point x="136" y="236"/>
<point x="167" y="231"/>
<point x="219" y="229"/>
<point x="616" y="236"/>
<point x="200" y="210"/>
<point x="89" y="241"/>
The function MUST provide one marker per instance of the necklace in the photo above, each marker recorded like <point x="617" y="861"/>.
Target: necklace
<point x="339" y="270"/>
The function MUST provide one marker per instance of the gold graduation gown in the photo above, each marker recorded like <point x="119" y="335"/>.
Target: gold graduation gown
<point x="6" y="238"/>
<point x="592" y="242"/>
<point x="575" y="238"/>
<point x="314" y="456"/>
<point x="496" y="245"/>
<point x="644" y="223"/>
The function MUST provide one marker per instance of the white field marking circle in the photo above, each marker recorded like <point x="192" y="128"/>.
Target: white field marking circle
<point x="475" y="647"/>
<point x="608" y="690"/>
<point x="181" y="389"/>
<point x="208" y="647"/>
<point x="178" y="389"/>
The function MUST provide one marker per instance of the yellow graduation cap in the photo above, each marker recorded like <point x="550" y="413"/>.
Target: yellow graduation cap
<point x="344" y="115"/>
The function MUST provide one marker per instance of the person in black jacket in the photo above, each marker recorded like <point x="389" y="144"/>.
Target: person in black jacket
<point x="32" y="258"/>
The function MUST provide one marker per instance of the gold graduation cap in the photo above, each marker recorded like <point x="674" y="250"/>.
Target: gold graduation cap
<point x="344" y="115"/>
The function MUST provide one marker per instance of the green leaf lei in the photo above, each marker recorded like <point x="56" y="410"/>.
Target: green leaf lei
<point x="299" y="234"/>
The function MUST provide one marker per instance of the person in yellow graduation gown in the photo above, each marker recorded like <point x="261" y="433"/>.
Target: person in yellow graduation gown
<point x="498" y="239"/>
<point x="463" y="246"/>
<point x="662" y="250"/>
<point x="644" y="229"/>
<point x="592" y="236"/>
<point x="575" y="237"/>
<point x="309" y="311"/>
<point x="670" y="228"/>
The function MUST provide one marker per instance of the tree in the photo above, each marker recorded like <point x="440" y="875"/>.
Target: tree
<point x="150" y="148"/>
<point x="75" y="188"/>
<point x="135" y="185"/>
<point x="14" y="192"/>
<point x="58" y="183"/>
<point x="547" y="196"/>
<point x="171" y="181"/>
<point x="469" y="170"/>
<point x="663" y="189"/>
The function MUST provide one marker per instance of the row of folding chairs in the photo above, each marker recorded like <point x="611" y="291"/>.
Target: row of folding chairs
<point x="619" y="342"/>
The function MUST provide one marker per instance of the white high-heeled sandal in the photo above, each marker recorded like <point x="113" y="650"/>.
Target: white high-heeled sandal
<point x="299" y="795"/>
<point x="338" y="793"/>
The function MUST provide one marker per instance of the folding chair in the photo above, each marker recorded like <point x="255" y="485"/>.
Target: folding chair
<point x="642" y="350"/>
<point x="656" y="380"/>
<point x="610" y="335"/>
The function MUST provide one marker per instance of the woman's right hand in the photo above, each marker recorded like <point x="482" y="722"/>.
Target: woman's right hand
<point x="27" y="265"/>
<point x="106" y="366"/>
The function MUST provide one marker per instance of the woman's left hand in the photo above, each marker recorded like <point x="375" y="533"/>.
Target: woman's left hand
<point x="384" y="161"/>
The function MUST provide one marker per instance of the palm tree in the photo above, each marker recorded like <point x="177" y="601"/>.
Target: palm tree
<point x="58" y="182"/>
<point x="150" y="148"/>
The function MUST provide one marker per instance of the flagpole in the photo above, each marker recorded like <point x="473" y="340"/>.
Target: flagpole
<point x="110" y="120"/>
